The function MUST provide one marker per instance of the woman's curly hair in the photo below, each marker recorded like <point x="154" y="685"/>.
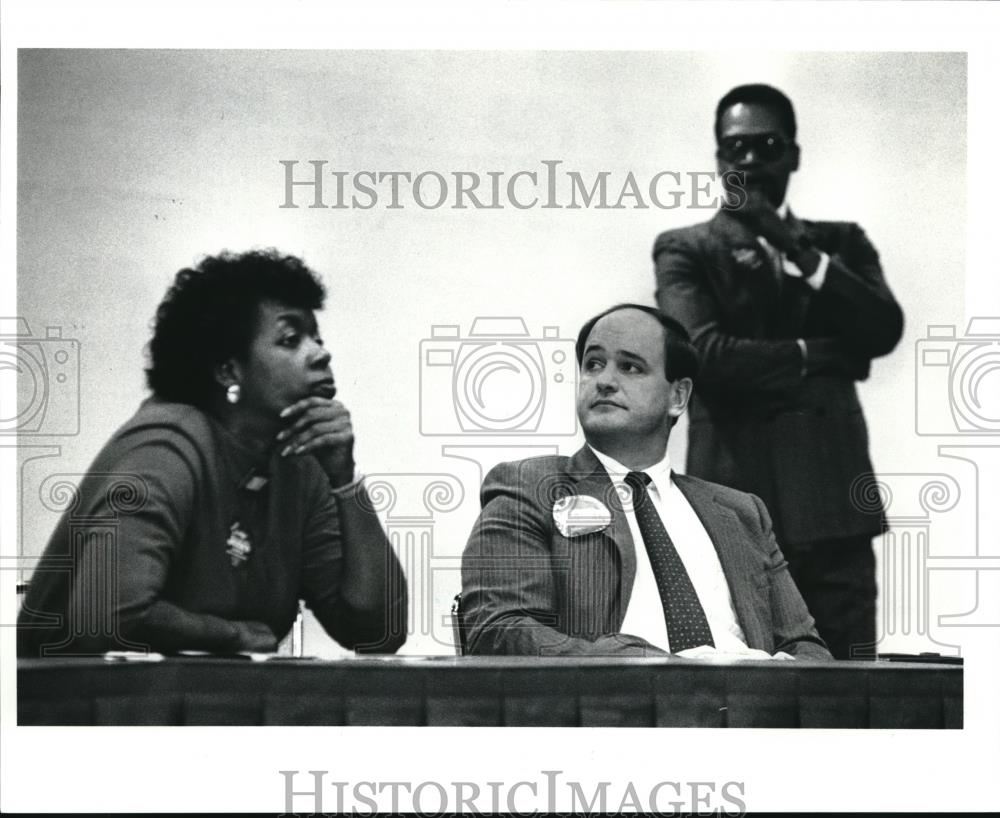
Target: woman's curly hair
<point x="209" y="315"/>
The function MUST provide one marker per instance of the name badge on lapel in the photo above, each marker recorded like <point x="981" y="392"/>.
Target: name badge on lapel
<point x="580" y="514"/>
<point x="239" y="545"/>
<point x="747" y="257"/>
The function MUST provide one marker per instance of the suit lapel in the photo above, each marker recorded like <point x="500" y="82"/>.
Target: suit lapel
<point x="728" y="536"/>
<point x="591" y="479"/>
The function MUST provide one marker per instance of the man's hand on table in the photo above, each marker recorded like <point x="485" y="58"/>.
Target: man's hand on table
<point x="708" y="653"/>
<point x="255" y="637"/>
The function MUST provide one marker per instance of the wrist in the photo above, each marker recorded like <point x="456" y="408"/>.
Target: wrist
<point x="347" y="488"/>
<point x="340" y="472"/>
<point x="341" y="480"/>
<point x="235" y="642"/>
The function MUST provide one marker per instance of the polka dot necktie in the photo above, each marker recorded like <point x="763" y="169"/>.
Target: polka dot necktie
<point x="687" y="626"/>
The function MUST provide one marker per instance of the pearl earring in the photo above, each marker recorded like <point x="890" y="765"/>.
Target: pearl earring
<point x="233" y="393"/>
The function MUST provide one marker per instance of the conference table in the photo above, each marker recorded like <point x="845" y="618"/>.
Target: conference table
<point x="488" y="691"/>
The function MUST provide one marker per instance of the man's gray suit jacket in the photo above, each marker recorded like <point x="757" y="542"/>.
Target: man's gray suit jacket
<point x="529" y="590"/>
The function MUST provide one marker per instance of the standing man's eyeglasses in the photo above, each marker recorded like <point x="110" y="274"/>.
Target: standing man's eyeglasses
<point x="766" y="147"/>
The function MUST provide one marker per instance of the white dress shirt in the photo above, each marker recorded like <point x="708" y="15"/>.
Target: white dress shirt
<point x="644" y="616"/>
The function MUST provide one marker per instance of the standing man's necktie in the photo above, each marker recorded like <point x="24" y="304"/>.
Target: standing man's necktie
<point x="777" y="264"/>
<point x="687" y="626"/>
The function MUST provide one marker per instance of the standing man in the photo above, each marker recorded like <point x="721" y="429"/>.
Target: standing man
<point x="609" y="552"/>
<point x="787" y="314"/>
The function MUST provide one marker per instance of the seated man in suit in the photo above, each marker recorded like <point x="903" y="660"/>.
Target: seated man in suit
<point x="609" y="552"/>
<point x="787" y="315"/>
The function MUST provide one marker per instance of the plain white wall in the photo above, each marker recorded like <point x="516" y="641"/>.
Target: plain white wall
<point x="132" y="164"/>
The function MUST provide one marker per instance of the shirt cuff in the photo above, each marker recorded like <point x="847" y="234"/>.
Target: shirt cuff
<point x="816" y="279"/>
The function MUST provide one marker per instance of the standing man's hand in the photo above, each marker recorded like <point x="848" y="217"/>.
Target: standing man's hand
<point x="761" y="217"/>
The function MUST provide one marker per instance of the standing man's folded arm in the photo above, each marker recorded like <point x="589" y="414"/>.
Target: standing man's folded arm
<point x="729" y="363"/>
<point x="859" y="299"/>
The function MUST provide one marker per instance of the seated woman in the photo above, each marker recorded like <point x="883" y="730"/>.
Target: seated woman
<point x="229" y="495"/>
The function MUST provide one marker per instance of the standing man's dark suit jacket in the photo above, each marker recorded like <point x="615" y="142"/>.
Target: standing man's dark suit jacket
<point x="529" y="590"/>
<point x="764" y="420"/>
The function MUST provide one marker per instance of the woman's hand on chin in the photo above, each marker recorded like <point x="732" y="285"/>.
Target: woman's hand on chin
<point x="320" y="427"/>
